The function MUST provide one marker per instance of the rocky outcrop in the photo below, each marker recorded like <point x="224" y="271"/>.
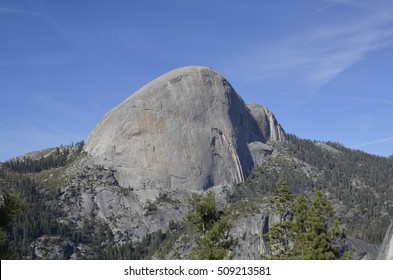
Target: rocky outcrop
<point x="37" y="154"/>
<point x="360" y="249"/>
<point x="186" y="130"/>
<point x="92" y="193"/>
<point x="52" y="248"/>
<point x="249" y="233"/>
<point x="270" y="129"/>
<point x="328" y="148"/>
<point x="386" y="250"/>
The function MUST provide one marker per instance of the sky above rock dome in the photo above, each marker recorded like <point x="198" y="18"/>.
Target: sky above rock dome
<point x="322" y="67"/>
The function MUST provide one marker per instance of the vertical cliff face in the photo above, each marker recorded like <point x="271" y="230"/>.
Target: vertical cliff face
<point x="188" y="129"/>
<point x="386" y="250"/>
<point x="268" y="125"/>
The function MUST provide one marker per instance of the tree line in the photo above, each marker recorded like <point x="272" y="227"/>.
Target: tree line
<point x="359" y="182"/>
<point x="58" y="158"/>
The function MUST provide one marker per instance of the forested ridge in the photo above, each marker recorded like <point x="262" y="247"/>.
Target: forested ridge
<point x="59" y="157"/>
<point x="360" y="182"/>
<point x="42" y="219"/>
<point x="358" y="185"/>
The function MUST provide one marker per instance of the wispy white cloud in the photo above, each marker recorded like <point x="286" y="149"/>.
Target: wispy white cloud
<point x="43" y="59"/>
<point x="365" y="100"/>
<point x="17" y="11"/>
<point x="310" y="59"/>
<point x="385" y="140"/>
<point x="362" y="4"/>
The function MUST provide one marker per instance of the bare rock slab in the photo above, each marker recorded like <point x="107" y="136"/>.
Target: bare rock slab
<point x="188" y="130"/>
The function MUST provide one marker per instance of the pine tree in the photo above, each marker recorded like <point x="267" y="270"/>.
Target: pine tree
<point x="305" y="230"/>
<point x="215" y="242"/>
<point x="313" y="236"/>
<point x="281" y="201"/>
<point x="12" y="205"/>
<point x="203" y="212"/>
<point x="281" y="204"/>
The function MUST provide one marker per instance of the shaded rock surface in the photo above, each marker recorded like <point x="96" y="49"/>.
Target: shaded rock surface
<point x="360" y="249"/>
<point x="186" y="130"/>
<point x="53" y="248"/>
<point x="249" y="232"/>
<point x="268" y="125"/>
<point x="386" y="250"/>
<point x="93" y="193"/>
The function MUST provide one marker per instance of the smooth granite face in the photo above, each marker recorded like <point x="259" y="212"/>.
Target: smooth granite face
<point x="188" y="130"/>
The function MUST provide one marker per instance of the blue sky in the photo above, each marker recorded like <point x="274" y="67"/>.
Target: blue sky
<point x="322" y="66"/>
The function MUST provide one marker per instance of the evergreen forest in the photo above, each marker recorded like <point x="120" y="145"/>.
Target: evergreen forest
<point x="355" y="189"/>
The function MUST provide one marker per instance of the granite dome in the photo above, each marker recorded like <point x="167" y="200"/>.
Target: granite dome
<point x="188" y="129"/>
